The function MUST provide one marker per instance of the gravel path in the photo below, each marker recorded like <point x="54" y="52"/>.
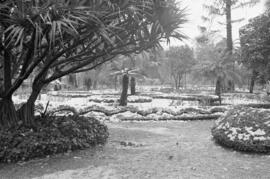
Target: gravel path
<point x="148" y="150"/>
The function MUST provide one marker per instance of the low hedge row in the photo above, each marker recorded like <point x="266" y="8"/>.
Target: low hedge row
<point x="53" y="135"/>
<point x="112" y="99"/>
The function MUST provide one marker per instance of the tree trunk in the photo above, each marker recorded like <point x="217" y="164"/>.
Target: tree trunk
<point x="175" y="77"/>
<point x="8" y="115"/>
<point x="115" y="83"/>
<point x="229" y="26"/>
<point x="185" y="80"/>
<point x="179" y="76"/>
<point x="95" y="84"/>
<point x="27" y="112"/>
<point x="132" y="86"/>
<point x="229" y="38"/>
<point x="218" y="88"/>
<point x="252" y="82"/>
<point x="123" y="99"/>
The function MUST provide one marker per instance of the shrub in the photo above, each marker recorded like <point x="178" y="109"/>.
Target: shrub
<point x="245" y="129"/>
<point x="53" y="135"/>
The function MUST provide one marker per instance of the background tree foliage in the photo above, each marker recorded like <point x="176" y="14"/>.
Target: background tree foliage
<point x="179" y="61"/>
<point x="255" y="43"/>
<point x="211" y="64"/>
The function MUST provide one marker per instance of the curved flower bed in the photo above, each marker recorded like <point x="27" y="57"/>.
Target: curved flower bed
<point x="245" y="129"/>
<point x="52" y="135"/>
<point x="130" y="113"/>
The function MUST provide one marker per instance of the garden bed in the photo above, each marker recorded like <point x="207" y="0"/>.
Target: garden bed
<point x="124" y="113"/>
<point x="244" y="129"/>
<point x="202" y="99"/>
<point x="158" y="114"/>
<point x="113" y="99"/>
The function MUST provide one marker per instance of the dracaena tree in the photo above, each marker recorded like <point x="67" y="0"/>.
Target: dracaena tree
<point x="128" y="76"/>
<point x="126" y="68"/>
<point x="53" y="38"/>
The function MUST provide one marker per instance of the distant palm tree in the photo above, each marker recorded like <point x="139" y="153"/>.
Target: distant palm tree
<point x="212" y="65"/>
<point x="126" y="74"/>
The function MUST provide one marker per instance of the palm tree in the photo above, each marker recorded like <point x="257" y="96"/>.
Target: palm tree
<point x="212" y="65"/>
<point x="126" y="74"/>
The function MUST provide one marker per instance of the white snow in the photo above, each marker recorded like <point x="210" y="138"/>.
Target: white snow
<point x="244" y="137"/>
<point x="153" y="116"/>
<point x="261" y="138"/>
<point x="99" y="115"/>
<point x="258" y="132"/>
<point x="231" y="137"/>
<point x="234" y="130"/>
<point x="267" y="123"/>
<point x="127" y="115"/>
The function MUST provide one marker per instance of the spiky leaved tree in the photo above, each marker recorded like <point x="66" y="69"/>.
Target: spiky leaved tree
<point x="128" y="65"/>
<point x="55" y="38"/>
<point x="126" y="74"/>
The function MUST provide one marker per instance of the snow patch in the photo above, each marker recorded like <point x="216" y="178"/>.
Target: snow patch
<point x="258" y="132"/>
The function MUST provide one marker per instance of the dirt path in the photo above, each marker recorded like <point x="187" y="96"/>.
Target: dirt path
<point x="158" y="150"/>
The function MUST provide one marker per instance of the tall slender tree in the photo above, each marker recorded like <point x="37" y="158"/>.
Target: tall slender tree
<point x="224" y="8"/>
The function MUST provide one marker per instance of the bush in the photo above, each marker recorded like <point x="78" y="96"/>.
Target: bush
<point x="53" y="135"/>
<point x="245" y="129"/>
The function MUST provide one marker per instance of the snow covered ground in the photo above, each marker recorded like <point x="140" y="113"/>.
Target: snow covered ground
<point x="154" y="105"/>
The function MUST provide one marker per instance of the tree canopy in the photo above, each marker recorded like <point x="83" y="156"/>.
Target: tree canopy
<point x="255" y="43"/>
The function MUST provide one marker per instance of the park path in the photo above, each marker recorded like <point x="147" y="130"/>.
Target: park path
<point x="148" y="150"/>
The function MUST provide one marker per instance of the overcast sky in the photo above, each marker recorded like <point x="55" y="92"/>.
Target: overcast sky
<point x="195" y="10"/>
